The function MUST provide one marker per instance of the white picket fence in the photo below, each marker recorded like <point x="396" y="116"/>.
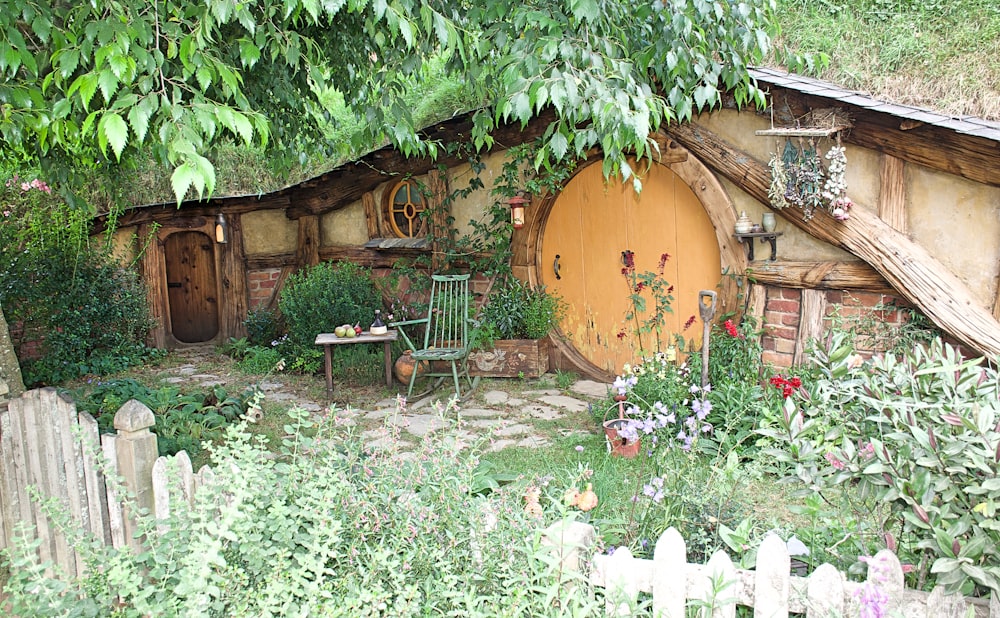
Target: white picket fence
<point x="716" y="589"/>
<point x="47" y="445"/>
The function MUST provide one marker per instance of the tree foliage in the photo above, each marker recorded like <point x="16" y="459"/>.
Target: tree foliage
<point x="91" y="84"/>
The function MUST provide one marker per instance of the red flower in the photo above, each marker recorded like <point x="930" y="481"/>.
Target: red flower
<point x="787" y="386"/>
<point x="639" y="287"/>
<point x="689" y="323"/>
<point x="663" y="261"/>
<point x="731" y="328"/>
<point x="621" y="335"/>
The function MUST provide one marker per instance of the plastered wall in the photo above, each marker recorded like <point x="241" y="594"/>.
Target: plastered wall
<point x="956" y="220"/>
<point x="268" y="231"/>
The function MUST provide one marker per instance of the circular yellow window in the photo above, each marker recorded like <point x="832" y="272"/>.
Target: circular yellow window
<point x="405" y="205"/>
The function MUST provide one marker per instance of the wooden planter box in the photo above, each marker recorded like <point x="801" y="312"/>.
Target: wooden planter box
<point x="511" y="358"/>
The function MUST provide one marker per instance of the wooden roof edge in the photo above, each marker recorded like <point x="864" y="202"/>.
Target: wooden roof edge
<point x="968" y="125"/>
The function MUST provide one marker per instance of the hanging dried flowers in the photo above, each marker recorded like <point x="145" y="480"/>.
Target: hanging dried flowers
<point x="798" y="178"/>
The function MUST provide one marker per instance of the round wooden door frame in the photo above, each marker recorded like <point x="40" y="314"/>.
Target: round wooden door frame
<point x="718" y="206"/>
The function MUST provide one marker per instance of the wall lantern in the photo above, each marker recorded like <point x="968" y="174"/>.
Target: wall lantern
<point x="517" y="204"/>
<point x="221" y="230"/>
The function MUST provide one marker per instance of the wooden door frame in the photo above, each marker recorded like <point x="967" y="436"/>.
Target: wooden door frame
<point x="527" y="247"/>
<point x="155" y="274"/>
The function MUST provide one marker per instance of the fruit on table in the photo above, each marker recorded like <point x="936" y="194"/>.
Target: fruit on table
<point x="340" y="331"/>
<point x="351" y="333"/>
<point x="357" y="329"/>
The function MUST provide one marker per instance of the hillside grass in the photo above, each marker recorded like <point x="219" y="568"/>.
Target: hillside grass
<point x="938" y="54"/>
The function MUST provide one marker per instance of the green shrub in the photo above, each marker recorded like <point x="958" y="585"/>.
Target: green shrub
<point x="263" y="327"/>
<point x="319" y="299"/>
<point x="518" y="311"/>
<point x="908" y="444"/>
<point x="86" y="313"/>
<point x="324" y="529"/>
<point x="183" y="421"/>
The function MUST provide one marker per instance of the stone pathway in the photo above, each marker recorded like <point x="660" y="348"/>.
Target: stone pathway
<point x="506" y="419"/>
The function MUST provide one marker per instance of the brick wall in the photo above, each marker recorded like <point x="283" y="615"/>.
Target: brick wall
<point x="781" y="325"/>
<point x="261" y="285"/>
<point x="782" y="316"/>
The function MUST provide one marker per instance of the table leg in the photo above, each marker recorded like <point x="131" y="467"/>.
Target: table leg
<point x="328" y="353"/>
<point x="388" y="364"/>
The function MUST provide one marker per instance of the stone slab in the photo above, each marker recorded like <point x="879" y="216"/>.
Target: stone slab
<point x="544" y="413"/>
<point x="562" y="401"/>
<point x="495" y="397"/>
<point x="590" y="388"/>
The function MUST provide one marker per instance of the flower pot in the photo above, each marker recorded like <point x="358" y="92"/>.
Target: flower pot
<point x="405" y="365"/>
<point x="620" y="446"/>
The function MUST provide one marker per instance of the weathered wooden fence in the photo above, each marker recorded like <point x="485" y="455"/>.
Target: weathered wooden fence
<point x="716" y="589"/>
<point x="48" y="446"/>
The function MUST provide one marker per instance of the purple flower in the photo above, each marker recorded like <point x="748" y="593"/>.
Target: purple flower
<point x="579" y="448"/>
<point x="691" y="422"/>
<point x="872" y="600"/>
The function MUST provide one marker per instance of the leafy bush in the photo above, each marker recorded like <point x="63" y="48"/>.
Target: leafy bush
<point x="86" y="313"/>
<point x="518" y="311"/>
<point x="262" y="326"/>
<point x="183" y="421"/>
<point x="324" y="529"/>
<point x="912" y="438"/>
<point x="321" y="298"/>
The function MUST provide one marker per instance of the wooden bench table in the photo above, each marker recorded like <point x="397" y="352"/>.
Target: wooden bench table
<point x="329" y="339"/>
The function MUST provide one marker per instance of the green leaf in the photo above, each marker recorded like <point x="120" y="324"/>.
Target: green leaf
<point x="585" y="10"/>
<point x="521" y="107"/>
<point x="111" y="129"/>
<point x="182" y="179"/>
<point x="558" y="144"/>
<point x="249" y="53"/>
<point x="108" y="83"/>
<point x="138" y="118"/>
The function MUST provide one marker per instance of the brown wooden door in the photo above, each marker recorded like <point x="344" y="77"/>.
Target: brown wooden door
<point x="589" y="226"/>
<point x="191" y="286"/>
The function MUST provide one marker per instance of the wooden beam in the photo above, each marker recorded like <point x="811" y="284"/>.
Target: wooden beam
<point x="892" y="193"/>
<point x="812" y="310"/>
<point x="913" y="272"/>
<point x="820" y="275"/>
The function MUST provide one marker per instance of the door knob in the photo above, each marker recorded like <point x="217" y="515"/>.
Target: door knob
<point x="555" y="267"/>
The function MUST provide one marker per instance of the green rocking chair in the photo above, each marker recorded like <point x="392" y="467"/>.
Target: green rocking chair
<point x="448" y="333"/>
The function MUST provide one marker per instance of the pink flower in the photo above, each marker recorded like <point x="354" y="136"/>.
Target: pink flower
<point x="834" y="462"/>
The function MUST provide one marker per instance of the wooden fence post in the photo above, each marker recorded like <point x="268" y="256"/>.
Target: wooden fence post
<point x="669" y="575"/>
<point x="772" y="579"/>
<point x="135" y="453"/>
<point x="571" y="541"/>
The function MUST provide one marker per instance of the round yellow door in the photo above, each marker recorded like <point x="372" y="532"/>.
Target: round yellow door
<point x="608" y="252"/>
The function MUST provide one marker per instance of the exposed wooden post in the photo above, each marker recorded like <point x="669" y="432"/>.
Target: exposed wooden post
<point x="437" y="185"/>
<point x="135" y="452"/>
<point x="812" y="310"/>
<point x="307" y="246"/>
<point x="233" y="281"/>
<point x="373" y="218"/>
<point x="909" y="268"/>
<point x="892" y="193"/>
<point x="154" y="272"/>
